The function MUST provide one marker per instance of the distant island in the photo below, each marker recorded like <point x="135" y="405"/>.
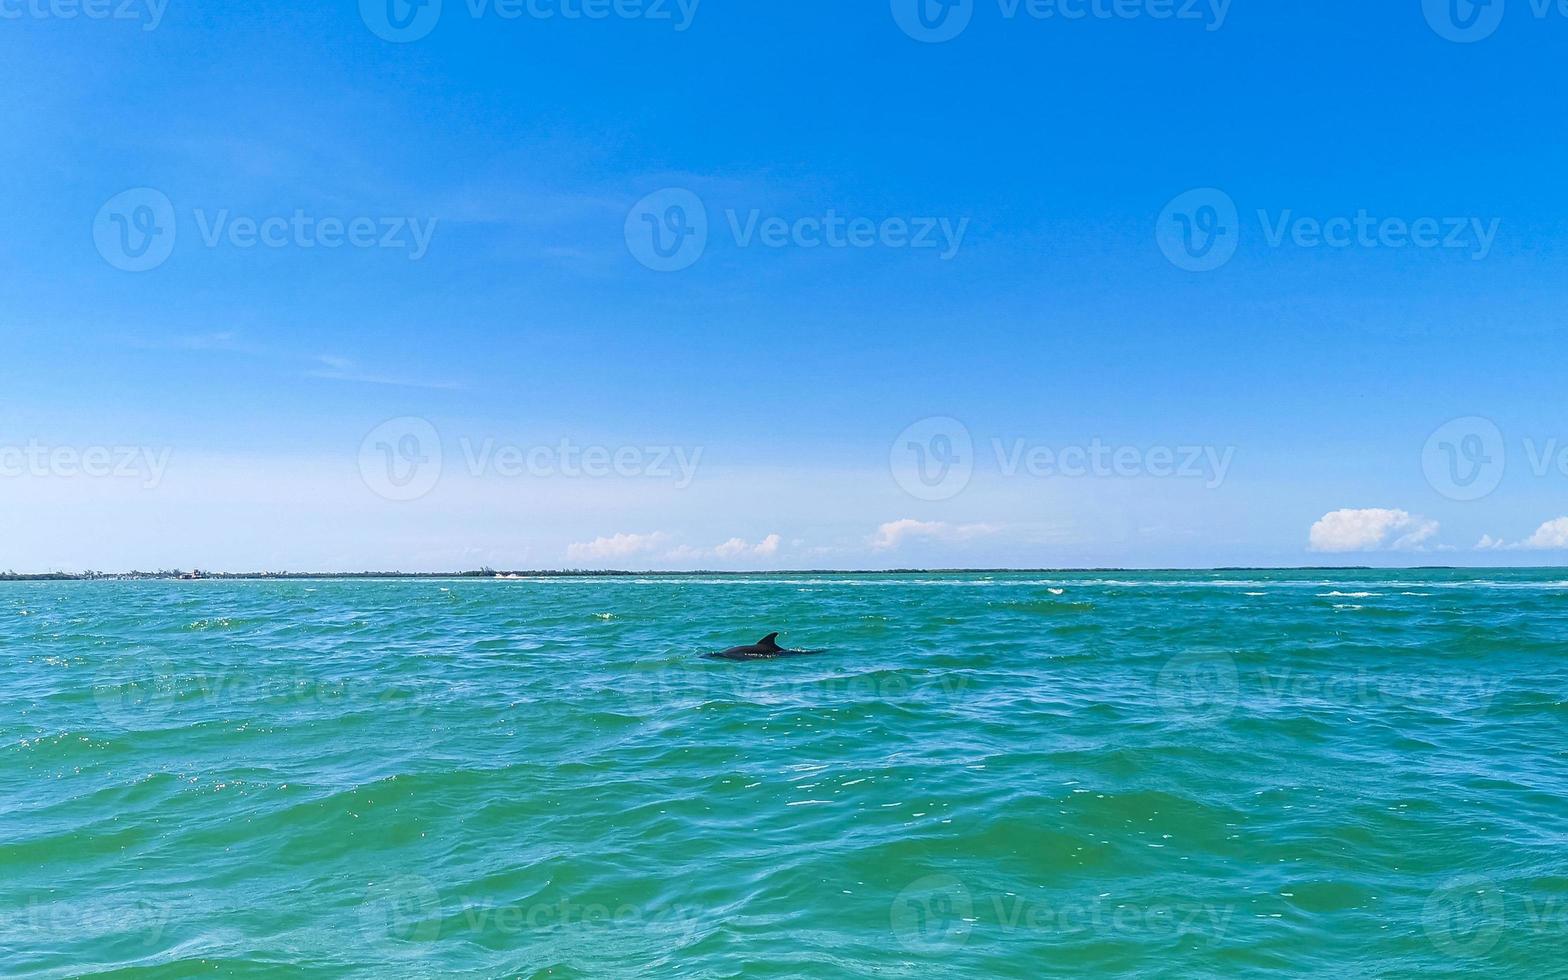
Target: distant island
<point x="175" y="574"/>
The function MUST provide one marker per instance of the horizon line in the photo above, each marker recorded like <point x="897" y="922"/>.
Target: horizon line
<point x="491" y="573"/>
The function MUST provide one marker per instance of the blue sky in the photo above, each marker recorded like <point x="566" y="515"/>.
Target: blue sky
<point x="237" y="384"/>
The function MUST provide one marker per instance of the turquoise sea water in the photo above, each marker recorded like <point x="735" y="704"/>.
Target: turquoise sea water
<point x="1023" y="774"/>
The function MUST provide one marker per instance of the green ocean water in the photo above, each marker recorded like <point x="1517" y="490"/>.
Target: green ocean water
<point x="1359" y="774"/>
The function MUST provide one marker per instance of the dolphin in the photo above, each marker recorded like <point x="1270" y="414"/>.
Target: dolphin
<point x="766" y="648"/>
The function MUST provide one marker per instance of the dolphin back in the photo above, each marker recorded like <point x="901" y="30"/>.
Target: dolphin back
<point x="766" y="648"/>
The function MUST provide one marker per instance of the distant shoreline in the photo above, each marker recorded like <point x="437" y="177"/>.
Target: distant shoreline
<point x="494" y="574"/>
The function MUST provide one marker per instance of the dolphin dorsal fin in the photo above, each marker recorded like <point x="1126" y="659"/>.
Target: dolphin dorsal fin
<point x="769" y="642"/>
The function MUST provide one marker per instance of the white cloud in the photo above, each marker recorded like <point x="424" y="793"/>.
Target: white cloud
<point x="894" y="533"/>
<point x="729" y="550"/>
<point x="1370" y="529"/>
<point x="1551" y="536"/>
<point x="616" y="546"/>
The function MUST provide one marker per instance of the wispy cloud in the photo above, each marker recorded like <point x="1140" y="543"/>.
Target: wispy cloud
<point x="332" y="368"/>
<point x="226" y="341"/>
<point x="895" y="533"/>
<point x="327" y="367"/>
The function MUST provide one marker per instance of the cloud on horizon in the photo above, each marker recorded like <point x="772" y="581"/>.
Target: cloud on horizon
<point x="731" y="549"/>
<point x="616" y="546"/>
<point x="894" y="533"/>
<point x="1370" y="529"/>
<point x="1550" y="536"/>
<point x="623" y="546"/>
